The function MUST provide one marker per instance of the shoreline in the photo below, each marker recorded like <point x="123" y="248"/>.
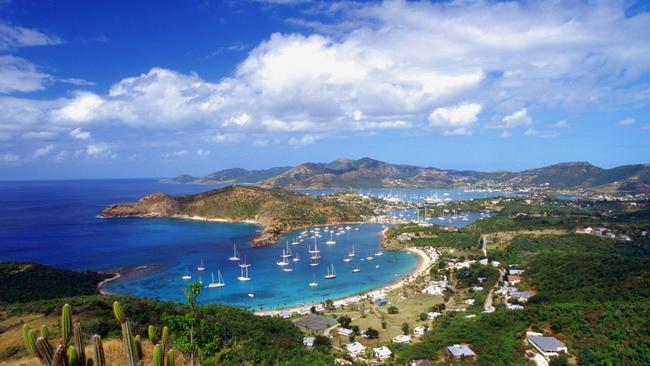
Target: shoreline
<point x="424" y="263"/>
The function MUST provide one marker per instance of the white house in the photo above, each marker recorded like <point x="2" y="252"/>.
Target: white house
<point x="402" y="339"/>
<point x="285" y="314"/>
<point x="382" y="352"/>
<point x="434" y="314"/>
<point x="547" y="346"/>
<point x="420" y="330"/>
<point x="308" y="341"/>
<point x="355" y="348"/>
<point x="459" y="351"/>
<point x="345" y="332"/>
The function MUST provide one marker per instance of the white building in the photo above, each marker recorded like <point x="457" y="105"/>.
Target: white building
<point x="402" y="339"/>
<point x="355" y="348"/>
<point x="420" y="330"/>
<point x="308" y="341"/>
<point x="547" y="346"/>
<point x="382" y="352"/>
<point x="345" y="332"/>
<point x="434" y="314"/>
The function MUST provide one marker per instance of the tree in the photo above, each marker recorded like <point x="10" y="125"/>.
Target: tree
<point x="185" y="326"/>
<point x="355" y="329"/>
<point x="406" y="328"/>
<point x="393" y="309"/>
<point x="372" y="333"/>
<point x="344" y="321"/>
<point x="561" y="360"/>
<point x="313" y="310"/>
<point x="423" y="316"/>
<point x="329" y="305"/>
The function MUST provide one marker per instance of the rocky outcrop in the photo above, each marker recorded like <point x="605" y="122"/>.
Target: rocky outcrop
<point x="153" y="205"/>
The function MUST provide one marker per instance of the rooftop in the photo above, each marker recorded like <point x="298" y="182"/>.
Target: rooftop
<point x="546" y="344"/>
<point x="460" y="350"/>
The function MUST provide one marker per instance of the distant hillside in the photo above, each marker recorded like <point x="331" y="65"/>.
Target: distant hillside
<point x="278" y="210"/>
<point x="370" y="173"/>
<point x="234" y="176"/>
<point x="21" y="282"/>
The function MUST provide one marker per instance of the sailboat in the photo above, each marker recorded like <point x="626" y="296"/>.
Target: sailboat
<point x="200" y="281"/>
<point x="347" y="259"/>
<point x="331" y="241"/>
<point x="244" y="273"/>
<point x="201" y="267"/>
<point x="245" y="264"/>
<point x="251" y="294"/>
<point x="287" y="268"/>
<point x="356" y="270"/>
<point x="330" y="274"/>
<point x="296" y="258"/>
<point x="283" y="262"/>
<point x="313" y="282"/>
<point x="187" y="275"/>
<point x="295" y="241"/>
<point x="235" y="256"/>
<point x="219" y="282"/>
<point x="379" y="253"/>
<point x="352" y="253"/>
<point x="315" y="251"/>
<point x="369" y="257"/>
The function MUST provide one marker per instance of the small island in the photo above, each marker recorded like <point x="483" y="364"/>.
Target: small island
<point x="276" y="210"/>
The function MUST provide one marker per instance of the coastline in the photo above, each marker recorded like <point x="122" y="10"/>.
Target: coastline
<point x="424" y="264"/>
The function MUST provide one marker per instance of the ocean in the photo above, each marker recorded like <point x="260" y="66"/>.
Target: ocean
<point x="56" y="223"/>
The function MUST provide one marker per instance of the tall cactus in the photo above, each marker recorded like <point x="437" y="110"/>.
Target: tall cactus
<point x="152" y="334"/>
<point x="30" y="340"/>
<point x="127" y="336"/>
<point x="44" y="350"/>
<point x="98" y="348"/>
<point x="138" y="347"/>
<point x="45" y="332"/>
<point x="164" y="340"/>
<point x="72" y="356"/>
<point x="157" y="356"/>
<point x="171" y="361"/>
<point x="60" y="357"/>
<point x="79" y="344"/>
<point x="66" y="324"/>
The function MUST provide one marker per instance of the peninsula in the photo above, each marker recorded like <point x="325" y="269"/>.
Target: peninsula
<point x="275" y="210"/>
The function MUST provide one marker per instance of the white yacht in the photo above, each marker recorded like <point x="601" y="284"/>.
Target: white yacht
<point x="235" y="256"/>
<point x="219" y="283"/>
<point x="201" y="267"/>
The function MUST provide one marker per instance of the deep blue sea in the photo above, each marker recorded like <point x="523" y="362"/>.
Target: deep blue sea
<point x="56" y="223"/>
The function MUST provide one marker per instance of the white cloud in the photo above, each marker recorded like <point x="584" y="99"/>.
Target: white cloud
<point x="302" y="141"/>
<point x="506" y="134"/>
<point x="531" y="132"/>
<point x="43" y="151"/>
<point x="455" y="120"/>
<point x="40" y="135"/>
<point x="516" y="119"/>
<point x="626" y="122"/>
<point x="84" y="107"/>
<point x="202" y="153"/>
<point x="99" y="150"/>
<point x="79" y="134"/>
<point x="219" y="137"/>
<point x="12" y="36"/>
<point x="9" y="158"/>
<point x="561" y="124"/>
<point x="20" y="75"/>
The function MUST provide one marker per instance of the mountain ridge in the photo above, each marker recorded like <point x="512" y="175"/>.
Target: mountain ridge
<point x="370" y="173"/>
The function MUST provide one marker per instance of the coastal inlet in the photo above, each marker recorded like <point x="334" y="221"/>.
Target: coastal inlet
<point x="271" y="285"/>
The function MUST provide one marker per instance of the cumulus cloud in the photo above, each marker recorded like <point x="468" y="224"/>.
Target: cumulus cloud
<point x="9" y="158"/>
<point x="99" y="150"/>
<point x="79" y="134"/>
<point x="202" y="152"/>
<point x="20" y="75"/>
<point x="506" y="134"/>
<point x="516" y="119"/>
<point x="561" y="124"/>
<point x="42" y="151"/>
<point x="455" y="120"/>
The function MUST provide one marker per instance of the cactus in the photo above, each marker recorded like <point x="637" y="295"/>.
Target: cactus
<point x="60" y="356"/>
<point x="79" y="344"/>
<point x="138" y="347"/>
<point x="164" y="339"/>
<point x="157" y="356"/>
<point x="66" y="324"/>
<point x="151" y="332"/>
<point x="90" y="362"/>
<point x="127" y="336"/>
<point x="98" y="347"/>
<point x="170" y="358"/>
<point x="44" y="351"/>
<point x="72" y="356"/>
<point x="30" y="340"/>
<point x="45" y="332"/>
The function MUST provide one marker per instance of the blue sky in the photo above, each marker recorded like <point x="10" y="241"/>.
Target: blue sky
<point x="153" y="89"/>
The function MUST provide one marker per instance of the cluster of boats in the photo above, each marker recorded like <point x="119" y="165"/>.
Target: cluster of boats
<point x="290" y="256"/>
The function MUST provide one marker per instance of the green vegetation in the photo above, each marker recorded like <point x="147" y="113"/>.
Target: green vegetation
<point x="28" y="281"/>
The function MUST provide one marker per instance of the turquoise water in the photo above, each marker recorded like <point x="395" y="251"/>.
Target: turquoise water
<point x="55" y="223"/>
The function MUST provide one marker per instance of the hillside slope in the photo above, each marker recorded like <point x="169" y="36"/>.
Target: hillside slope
<point x="277" y="210"/>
